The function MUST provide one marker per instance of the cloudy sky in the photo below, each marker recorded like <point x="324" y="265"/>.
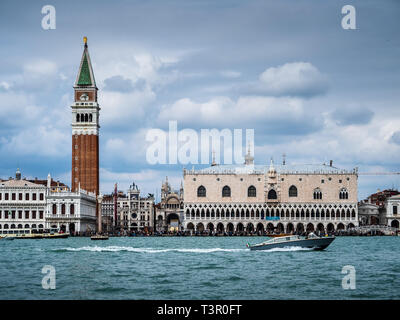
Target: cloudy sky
<point x="286" y="69"/>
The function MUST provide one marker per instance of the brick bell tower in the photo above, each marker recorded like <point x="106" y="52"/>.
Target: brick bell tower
<point x="85" y="128"/>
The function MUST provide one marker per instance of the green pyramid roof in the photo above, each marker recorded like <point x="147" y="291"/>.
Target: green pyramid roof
<point x="84" y="76"/>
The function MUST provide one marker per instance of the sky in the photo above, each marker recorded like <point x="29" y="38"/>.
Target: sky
<point x="287" y="69"/>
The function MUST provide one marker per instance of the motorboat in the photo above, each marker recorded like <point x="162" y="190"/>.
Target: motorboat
<point x="310" y="241"/>
<point x="99" y="237"/>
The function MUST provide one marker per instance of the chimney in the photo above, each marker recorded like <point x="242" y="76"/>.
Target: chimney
<point x="330" y="163"/>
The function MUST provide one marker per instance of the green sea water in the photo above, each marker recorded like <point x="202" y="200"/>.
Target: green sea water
<point x="197" y="268"/>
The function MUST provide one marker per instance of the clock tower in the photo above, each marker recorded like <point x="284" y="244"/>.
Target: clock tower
<point x="85" y="128"/>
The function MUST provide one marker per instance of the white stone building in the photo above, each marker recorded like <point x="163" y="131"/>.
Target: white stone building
<point x="22" y="204"/>
<point x="42" y="204"/>
<point x="73" y="212"/>
<point x="285" y="198"/>
<point x="392" y="211"/>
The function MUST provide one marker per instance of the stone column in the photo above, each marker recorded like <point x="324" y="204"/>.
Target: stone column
<point x="99" y="201"/>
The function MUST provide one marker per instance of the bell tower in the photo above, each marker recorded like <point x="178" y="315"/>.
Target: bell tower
<point x="85" y="128"/>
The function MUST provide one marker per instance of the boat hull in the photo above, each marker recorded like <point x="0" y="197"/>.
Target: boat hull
<point x="314" y="244"/>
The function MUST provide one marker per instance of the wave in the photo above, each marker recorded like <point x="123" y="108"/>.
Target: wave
<point x="146" y="250"/>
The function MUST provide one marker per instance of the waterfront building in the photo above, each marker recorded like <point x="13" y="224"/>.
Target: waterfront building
<point x="22" y="204"/>
<point x="392" y="211"/>
<point x="134" y="212"/>
<point x="373" y="210"/>
<point x="38" y="205"/>
<point x="370" y="214"/>
<point x="169" y="212"/>
<point x="73" y="212"/>
<point x="285" y="198"/>
<point x="107" y="213"/>
<point x="141" y="210"/>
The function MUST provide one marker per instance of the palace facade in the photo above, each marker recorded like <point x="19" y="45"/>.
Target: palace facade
<point x="281" y="198"/>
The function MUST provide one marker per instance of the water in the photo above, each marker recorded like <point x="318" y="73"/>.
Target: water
<point x="197" y="268"/>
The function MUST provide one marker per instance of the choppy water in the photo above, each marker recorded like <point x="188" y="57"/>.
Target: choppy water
<point x="197" y="268"/>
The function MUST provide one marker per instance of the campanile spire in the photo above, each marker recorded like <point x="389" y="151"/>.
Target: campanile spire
<point x="85" y="128"/>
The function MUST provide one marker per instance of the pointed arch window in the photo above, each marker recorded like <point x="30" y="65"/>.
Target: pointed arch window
<point x="317" y="194"/>
<point x="293" y="191"/>
<point x="201" y="192"/>
<point x="77" y="118"/>
<point x="90" y="117"/>
<point x="272" y="194"/>
<point x="252" y="191"/>
<point x="226" y="191"/>
<point x="343" y="193"/>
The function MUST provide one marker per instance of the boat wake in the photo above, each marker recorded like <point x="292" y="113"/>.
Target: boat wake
<point x="146" y="250"/>
<point x="286" y="249"/>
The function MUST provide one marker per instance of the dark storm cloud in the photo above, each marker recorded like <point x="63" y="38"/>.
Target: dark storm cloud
<point x="358" y="67"/>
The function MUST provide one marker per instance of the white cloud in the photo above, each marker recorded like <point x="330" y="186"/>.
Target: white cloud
<point x="279" y="115"/>
<point x="125" y="109"/>
<point x="40" y="67"/>
<point x="40" y="140"/>
<point x="292" y="79"/>
<point x="230" y="74"/>
<point x="4" y="85"/>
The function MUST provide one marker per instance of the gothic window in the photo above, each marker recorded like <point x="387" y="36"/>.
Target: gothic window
<point x="251" y="191"/>
<point x="317" y="194"/>
<point x="90" y="117"/>
<point x="272" y="194"/>
<point x="82" y="117"/>
<point x="226" y="191"/>
<point x="201" y="191"/>
<point x="293" y="191"/>
<point x="86" y="117"/>
<point x="77" y="118"/>
<point x="343" y="194"/>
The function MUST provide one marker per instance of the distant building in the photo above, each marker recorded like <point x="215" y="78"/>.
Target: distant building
<point x="22" y="204"/>
<point x="40" y="204"/>
<point x="107" y="213"/>
<point x="392" y="211"/>
<point x="134" y="212"/>
<point x="379" y="198"/>
<point x="73" y="212"/>
<point x="374" y="210"/>
<point x="370" y="214"/>
<point x="169" y="212"/>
